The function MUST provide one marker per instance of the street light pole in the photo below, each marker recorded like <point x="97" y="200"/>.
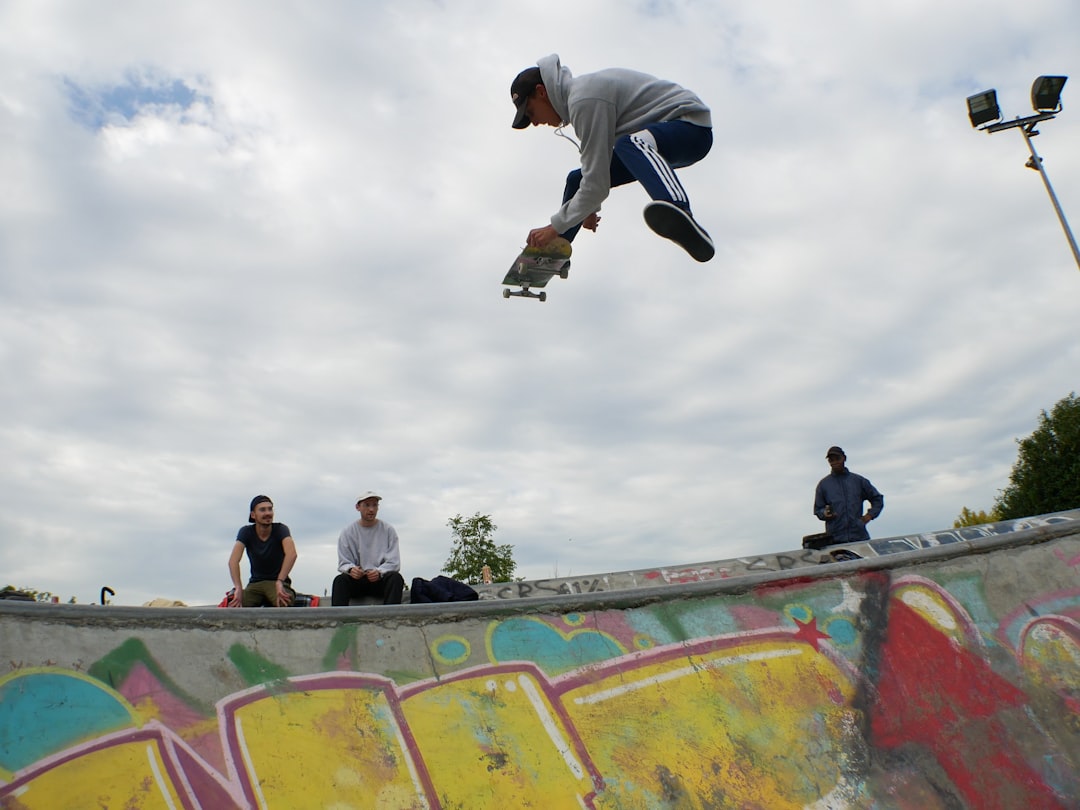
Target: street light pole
<point x="1037" y="164"/>
<point x="985" y="115"/>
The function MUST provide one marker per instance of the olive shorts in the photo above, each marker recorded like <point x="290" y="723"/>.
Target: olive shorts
<point x="264" y="593"/>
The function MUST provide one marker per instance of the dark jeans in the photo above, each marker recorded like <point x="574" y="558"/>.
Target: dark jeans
<point x="389" y="587"/>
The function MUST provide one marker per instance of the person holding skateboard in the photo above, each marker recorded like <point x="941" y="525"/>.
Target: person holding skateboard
<point x="632" y="126"/>
<point x="838" y="500"/>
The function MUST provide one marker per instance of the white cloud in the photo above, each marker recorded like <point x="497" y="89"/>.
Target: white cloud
<point x="274" y="268"/>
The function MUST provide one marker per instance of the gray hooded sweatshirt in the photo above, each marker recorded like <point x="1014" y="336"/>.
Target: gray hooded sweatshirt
<point x="602" y="107"/>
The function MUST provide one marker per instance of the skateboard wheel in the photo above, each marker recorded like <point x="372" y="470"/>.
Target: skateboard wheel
<point x="543" y="296"/>
<point x="506" y="293"/>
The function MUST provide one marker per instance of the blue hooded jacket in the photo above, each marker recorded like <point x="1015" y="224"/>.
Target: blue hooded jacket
<point x="845" y="492"/>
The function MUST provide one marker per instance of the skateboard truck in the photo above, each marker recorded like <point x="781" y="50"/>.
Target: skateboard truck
<point x="525" y="293"/>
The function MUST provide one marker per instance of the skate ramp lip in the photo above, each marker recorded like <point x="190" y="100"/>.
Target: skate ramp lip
<point x="617" y="590"/>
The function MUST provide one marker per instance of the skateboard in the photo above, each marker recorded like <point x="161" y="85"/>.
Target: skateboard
<point x="534" y="267"/>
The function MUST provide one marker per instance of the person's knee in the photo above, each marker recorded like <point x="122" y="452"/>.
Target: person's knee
<point x="573" y="183"/>
<point x="340" y="590"/>
<point x="392" y="582"/>
<point x="635" y="143"/>
<point x="393" y="586"/>
<point x="254" y="595"/>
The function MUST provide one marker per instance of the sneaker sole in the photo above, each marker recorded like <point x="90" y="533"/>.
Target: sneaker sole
<point x="671" y="222"/>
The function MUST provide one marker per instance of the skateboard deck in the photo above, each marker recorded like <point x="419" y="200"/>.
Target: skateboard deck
<point x="535" y="267"/>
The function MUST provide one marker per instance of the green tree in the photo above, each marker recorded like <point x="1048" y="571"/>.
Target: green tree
<point x="969" y="518"/>
<point x="1046" y="476"/>
<point x="473" y="548"/>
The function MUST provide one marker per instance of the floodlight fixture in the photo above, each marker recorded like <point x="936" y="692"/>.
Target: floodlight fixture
<point x="985" y="116"/>
<point x="983" y="108"/>
<point x="1046" y="93"/>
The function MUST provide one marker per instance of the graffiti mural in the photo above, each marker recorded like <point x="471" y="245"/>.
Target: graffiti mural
<point x="947" y="684"/>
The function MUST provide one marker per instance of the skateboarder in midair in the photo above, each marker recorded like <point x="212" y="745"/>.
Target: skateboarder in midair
<point x="632" y="126"/>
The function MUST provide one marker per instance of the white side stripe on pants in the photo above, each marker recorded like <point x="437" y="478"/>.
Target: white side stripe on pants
<point x="646" y="143"/>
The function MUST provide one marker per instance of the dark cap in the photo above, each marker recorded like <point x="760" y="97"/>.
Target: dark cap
<point x="520" y="89"/>
<point x="255" y="502"/>
<point x="835" y="451"/>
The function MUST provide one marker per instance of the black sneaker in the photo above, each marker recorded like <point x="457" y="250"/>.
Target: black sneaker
<point x="673" y="223"/>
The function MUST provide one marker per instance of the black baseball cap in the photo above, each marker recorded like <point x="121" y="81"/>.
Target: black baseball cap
<point x="255" y="502"/>
<point x="520" y="89"/>
<point x="835" y="451"/>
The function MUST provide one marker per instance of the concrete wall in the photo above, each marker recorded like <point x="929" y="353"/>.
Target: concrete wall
<point x="758" y="564"/>
<point x="947" y="677"/>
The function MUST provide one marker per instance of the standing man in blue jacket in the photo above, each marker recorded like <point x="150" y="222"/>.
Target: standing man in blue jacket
<point x="839" y="500"/>
<point x="632" y="126"/>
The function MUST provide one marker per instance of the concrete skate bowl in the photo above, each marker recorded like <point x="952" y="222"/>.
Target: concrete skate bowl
<point x="946" y="676"/>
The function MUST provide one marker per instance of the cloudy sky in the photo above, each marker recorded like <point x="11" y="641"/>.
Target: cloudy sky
<point x="252" y="247"/>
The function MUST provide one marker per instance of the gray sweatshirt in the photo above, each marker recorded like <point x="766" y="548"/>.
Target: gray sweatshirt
<point x="602" y="107"/>
<point x="369" y="547"/>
